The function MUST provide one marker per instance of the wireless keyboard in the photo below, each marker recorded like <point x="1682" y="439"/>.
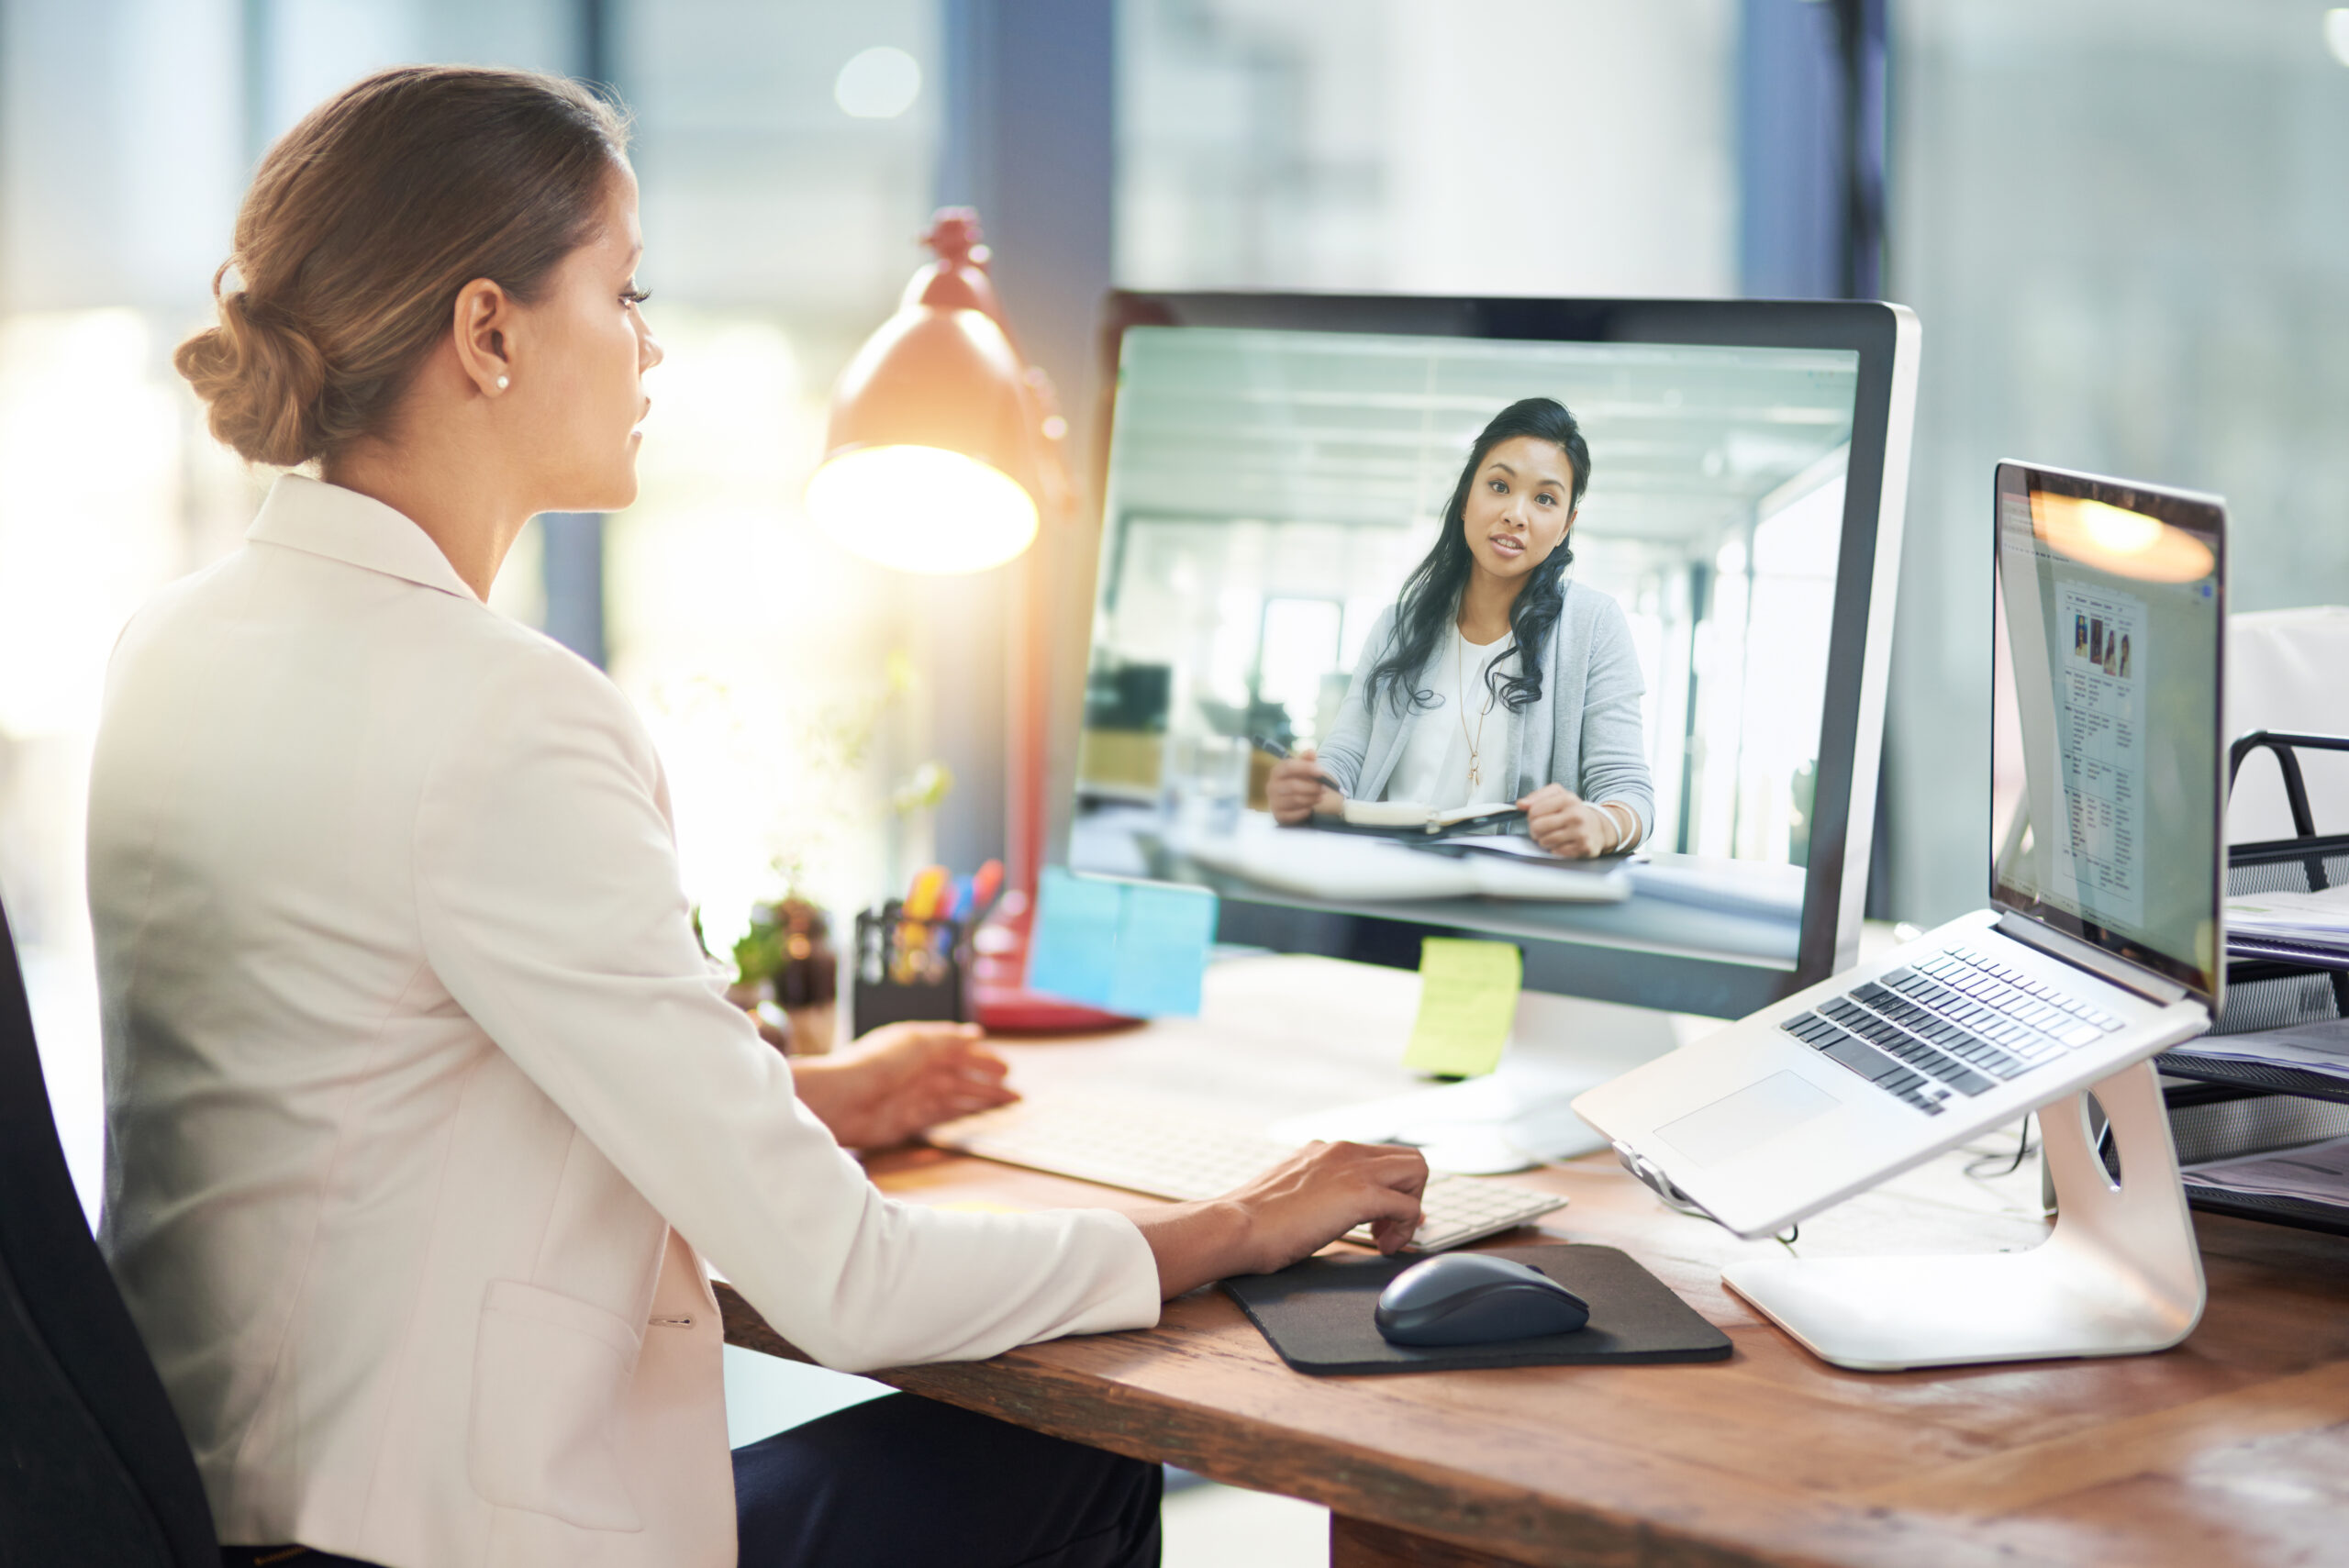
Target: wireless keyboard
<point x="1187" y="1158"/>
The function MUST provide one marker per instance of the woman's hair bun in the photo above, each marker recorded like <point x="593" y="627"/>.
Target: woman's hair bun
<point x="261" y="379"/>
<point x="363" y="223"/>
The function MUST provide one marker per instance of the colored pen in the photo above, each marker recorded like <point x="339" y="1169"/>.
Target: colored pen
<point x="983" y="888"/>
<point x="921" y="900"/>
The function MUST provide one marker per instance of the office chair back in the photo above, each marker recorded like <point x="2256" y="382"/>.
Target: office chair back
<point x="94" y="1468"/>
<point x="2284" y="674"/>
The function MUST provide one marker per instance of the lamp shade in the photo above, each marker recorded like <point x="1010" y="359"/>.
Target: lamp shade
<point x="933" y="460"/>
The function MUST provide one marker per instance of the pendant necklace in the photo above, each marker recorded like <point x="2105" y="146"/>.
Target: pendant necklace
<point x="1475" y="741"/>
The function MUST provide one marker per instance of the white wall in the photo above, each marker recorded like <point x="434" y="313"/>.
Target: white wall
<point x="1549" y="147"/>
<point x="2125" y="227"/>
<point x="1565" y="146"/>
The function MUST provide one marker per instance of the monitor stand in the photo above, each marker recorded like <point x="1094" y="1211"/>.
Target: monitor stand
<point x="2120" y="1274"/>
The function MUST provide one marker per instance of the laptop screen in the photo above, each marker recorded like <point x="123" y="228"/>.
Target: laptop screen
<point x="2106" y="749"/>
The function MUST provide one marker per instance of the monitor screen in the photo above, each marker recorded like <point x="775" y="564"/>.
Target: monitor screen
<point x="2111" y="606"/>
<point x="1303" y="553"/>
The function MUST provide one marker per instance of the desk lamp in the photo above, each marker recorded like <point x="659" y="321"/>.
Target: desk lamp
<point x="946" y="453"/>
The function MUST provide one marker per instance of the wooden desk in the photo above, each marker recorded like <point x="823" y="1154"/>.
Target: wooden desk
<point x="2233" y="1449"/>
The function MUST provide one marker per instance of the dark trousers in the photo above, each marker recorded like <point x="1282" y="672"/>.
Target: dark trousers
<point x="902" y="1479"/>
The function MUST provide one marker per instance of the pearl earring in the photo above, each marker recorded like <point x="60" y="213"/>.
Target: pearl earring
<point x="501" y="383"/>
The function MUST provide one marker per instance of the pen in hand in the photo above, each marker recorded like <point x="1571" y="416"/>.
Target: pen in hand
<point x="1273" y="749"/>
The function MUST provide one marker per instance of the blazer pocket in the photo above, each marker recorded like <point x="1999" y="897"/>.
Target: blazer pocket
<point x="550" y="1377"/>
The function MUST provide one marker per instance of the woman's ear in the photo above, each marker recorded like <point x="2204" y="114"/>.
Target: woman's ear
<point x="485" y="315"/>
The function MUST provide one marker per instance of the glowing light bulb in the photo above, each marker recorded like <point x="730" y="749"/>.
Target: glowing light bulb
<point x="2336" y="33"/>
<point x="922" y="510"/>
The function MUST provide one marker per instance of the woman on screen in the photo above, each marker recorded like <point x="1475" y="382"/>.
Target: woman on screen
<point x="1492" y="678"/>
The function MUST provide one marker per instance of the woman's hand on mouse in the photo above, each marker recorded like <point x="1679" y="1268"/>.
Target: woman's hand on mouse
<point x="1568" y="826"/>
<point x="899" y="1079"/>
<point x="1295" y="789"/>
<point x="1292" y="1211"/>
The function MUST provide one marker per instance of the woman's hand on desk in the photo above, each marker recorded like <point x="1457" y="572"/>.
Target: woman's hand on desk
<point x="1568" y="826"/>
<point x="898" y="1080"/>
<point x="1292" y="1211"/>
<point x="1295" y="789"/>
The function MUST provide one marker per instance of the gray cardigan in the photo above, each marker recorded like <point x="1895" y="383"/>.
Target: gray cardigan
<point x="1582" y="733"/>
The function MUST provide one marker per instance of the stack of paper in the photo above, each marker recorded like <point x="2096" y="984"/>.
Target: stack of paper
<point x="2318" y="1173"/>
<point x="2267" y="925"/>
<point x="2320" y="1048"/>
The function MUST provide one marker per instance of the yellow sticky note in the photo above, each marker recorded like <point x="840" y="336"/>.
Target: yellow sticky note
<point x="1467" y="1002"/>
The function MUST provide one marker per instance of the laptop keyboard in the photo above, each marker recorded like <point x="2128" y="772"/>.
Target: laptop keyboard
<point x="1955" y="1023"/>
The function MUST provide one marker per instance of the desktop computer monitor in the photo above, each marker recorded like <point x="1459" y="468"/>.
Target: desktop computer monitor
<point x="1276" y="476"/>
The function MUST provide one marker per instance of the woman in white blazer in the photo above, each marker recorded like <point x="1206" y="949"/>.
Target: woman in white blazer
<point x="424" y="1107"/>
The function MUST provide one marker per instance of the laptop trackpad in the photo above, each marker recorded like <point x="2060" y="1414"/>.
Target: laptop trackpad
<point x="1754" y="1115"/>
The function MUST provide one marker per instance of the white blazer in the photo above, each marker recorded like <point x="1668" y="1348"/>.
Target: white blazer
<point x="413" y="1064"/>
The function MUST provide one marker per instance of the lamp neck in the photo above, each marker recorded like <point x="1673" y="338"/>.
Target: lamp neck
<point x="944" y="285"/>
<point x="958" y="280"/>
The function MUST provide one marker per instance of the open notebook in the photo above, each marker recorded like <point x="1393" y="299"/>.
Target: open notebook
<point x="1413" y="817"/>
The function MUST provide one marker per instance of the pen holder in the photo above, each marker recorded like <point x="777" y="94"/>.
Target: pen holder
<point x="908" y="970"/>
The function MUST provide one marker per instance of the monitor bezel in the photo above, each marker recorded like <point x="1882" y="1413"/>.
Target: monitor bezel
<point x="2206" y="516"/>
<point x="1850" y="731"/>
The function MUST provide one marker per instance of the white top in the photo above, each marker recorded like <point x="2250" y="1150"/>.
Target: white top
<point x="1435" y="762"/>
<point x="412" y="1063"/>
<point x="1585" y="732"/>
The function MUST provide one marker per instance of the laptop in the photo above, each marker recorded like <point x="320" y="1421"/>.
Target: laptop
<point x="2101" y="942"/>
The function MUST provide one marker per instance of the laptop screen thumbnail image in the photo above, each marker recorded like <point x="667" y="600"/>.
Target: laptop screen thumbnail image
<point x="2106" y="745"/>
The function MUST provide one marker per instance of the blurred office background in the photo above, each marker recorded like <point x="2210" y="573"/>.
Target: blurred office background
<point x="2124" y="223"/>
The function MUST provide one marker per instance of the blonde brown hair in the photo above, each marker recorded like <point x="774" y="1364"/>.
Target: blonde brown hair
<point x="363" y="224"/>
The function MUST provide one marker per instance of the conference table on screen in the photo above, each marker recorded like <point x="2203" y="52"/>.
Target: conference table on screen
<point x="2231" y="1448"/>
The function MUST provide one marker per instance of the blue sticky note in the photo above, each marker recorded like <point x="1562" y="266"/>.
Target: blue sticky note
<point x="1162" y="951"/>
<point x="1073" y="945"/>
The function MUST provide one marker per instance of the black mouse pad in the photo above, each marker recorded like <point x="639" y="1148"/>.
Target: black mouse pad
<point x="1317" y="1315"/>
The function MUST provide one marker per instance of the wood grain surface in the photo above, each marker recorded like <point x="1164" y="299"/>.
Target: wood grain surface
<point x="2232" y="1449"/>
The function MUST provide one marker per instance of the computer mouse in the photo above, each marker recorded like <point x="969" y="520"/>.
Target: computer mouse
<point x="1473" y="1298"/>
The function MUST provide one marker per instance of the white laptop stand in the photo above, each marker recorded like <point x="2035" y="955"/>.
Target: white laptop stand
<point x="2120" y="1274"/>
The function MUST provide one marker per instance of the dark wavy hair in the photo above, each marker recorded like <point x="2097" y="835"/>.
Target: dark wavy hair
<point x="1431" y="595"/>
